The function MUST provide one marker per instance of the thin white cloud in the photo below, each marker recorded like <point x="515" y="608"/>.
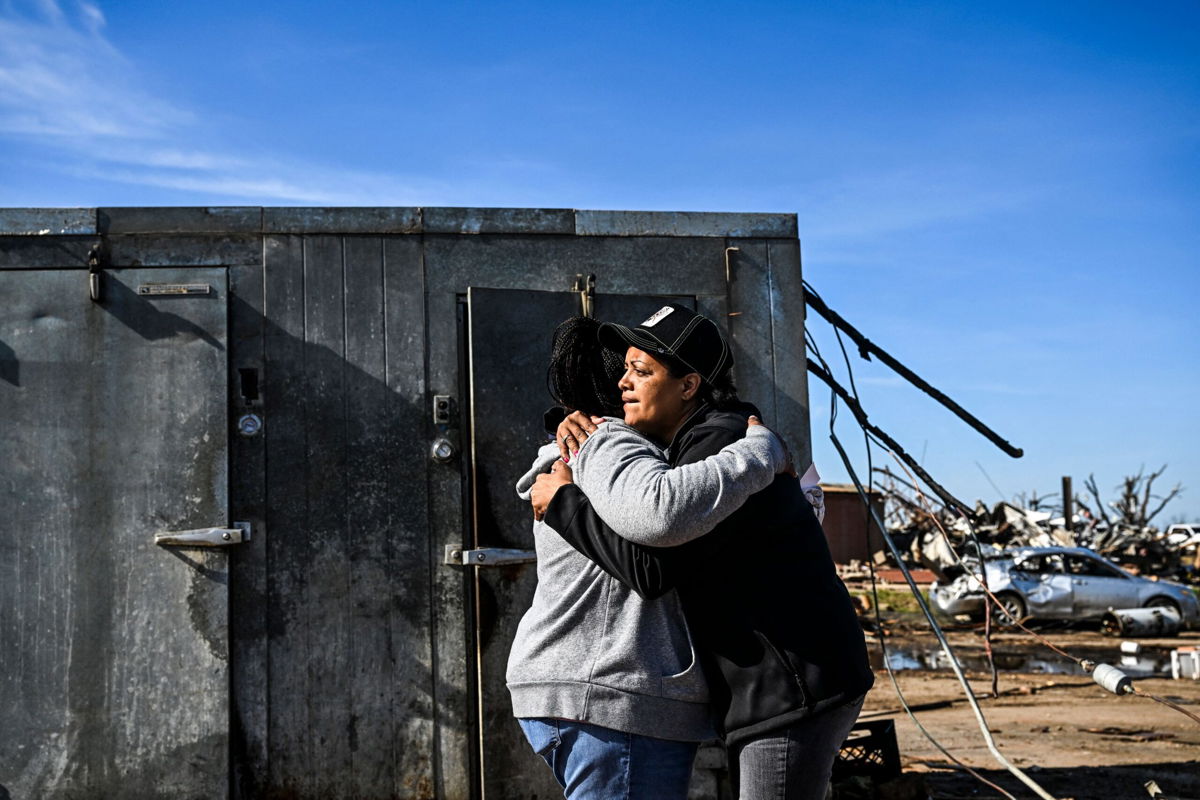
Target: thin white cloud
<point x="66" y="91"/>
<point x="60" y="78"/>
<point x="280" y="183"/>
<point x="93" y="17"/>
<point x="883" y="202"/>
<point x="50" y="9"/>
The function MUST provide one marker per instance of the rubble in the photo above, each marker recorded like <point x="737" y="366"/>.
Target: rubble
<point x="1185" y="663"/>
<point x="933" y="532"/>
<point x="1140" y="622"/>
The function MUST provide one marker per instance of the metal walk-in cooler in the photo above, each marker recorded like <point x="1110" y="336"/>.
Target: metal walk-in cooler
<point x="245" y="450"/>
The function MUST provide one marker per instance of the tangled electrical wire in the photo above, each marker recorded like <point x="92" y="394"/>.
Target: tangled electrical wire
<point x="1086" y="665"/>
<point x="937" y="630"/>
<point x="873" y="436"/>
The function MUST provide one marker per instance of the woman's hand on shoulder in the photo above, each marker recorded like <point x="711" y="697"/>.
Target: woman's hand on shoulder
<point x="574" y="431"/>
<point x="547" y="485"/>
<point x="789" y="467"/>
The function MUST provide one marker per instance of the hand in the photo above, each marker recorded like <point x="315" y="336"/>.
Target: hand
<point x="546" y="485"/>
<point x="789" y="467"/>
<point x="573" y="432"/>
<point x="816" y="498"/>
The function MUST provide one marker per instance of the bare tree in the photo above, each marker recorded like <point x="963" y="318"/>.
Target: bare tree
<point x="1036" y="502"/>
<point x="1146" y="496"/>
<point x="1133" y="504"/>
<point x="1090" y="484"/>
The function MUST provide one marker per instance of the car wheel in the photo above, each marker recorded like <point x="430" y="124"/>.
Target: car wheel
<point x="1163" y="602"/>
<point x="1011" y="603"/>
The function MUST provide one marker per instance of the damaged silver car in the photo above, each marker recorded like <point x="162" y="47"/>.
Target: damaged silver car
<point x="1065" y="583"/>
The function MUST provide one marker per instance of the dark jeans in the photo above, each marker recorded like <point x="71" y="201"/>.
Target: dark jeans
<point x="792" y="763"/>
<point x="595" y="763"/>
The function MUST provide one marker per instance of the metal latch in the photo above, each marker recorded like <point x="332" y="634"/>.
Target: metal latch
<point x="205" y="537"/>
<point x="486" y="556"/>
<point x="95" y="255"/>
<point x="586" y="286"/>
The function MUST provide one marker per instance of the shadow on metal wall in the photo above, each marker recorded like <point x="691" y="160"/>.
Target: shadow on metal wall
<point x="332" y="611"/>
<point x="10" y="372"/>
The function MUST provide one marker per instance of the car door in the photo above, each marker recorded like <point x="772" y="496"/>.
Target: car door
<point x="1099" y="586"/>
<point x="1048" y="590"/>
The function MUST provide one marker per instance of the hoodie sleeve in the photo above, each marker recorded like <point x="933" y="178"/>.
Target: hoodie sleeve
<point x="644" y="499"/>
<point x="645" y="570"/>
<point x="547" y="455"/>
<point x="649" y="571"/>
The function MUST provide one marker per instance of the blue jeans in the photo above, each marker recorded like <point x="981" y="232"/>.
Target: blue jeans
<point x="595" y="763"/>
<point x="792" y="763"/>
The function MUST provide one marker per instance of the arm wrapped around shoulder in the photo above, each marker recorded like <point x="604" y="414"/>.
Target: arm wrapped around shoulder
<point x="645" y="500"/>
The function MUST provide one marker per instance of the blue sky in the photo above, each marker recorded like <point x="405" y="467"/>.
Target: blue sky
<point x="1002" y="194"/>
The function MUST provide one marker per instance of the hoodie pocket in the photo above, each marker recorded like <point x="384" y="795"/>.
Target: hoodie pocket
<point x="688" y="684"/>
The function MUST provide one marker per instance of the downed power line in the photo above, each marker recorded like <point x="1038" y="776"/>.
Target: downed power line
<point x="866" y="347"/>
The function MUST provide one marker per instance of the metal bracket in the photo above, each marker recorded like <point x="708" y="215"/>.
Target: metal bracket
<point x="205" y="537"/>
<point x="155" y="289"/>
<point x="586" y="286"/>
<point x="729" y="251"/>
<point x="96" y="254"/>
<point x="443" y="409"/>
<point x="486" y="556"/>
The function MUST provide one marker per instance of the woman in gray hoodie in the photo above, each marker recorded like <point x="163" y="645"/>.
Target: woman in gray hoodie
<point x="774" y="625"/>
<point x="606" y="684"/>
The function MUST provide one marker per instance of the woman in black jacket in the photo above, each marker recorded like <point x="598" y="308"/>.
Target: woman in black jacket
<point x="783" y="649"/>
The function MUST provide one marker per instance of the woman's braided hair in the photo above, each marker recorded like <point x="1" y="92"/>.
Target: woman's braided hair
<point x="583" y="373"/>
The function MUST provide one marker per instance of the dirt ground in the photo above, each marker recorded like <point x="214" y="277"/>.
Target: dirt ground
<point x="1073" y="737"/>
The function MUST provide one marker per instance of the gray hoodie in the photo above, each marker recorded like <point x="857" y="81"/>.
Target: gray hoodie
<point x="589" y="648"/>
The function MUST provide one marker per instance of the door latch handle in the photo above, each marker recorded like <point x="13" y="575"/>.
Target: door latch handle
<point x="486" y="556"/>
<point x="205" y="537"/>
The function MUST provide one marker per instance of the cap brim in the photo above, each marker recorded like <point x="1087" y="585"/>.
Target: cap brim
<point x="618" y="337"/>
<point x="615" y="337"/>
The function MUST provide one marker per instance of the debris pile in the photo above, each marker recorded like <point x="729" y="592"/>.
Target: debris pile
<point x="916" y="520"/>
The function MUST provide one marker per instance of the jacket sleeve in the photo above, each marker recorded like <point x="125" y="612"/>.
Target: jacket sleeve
<point x="648" y="501"/>
<point x="649" y="571"/>
<point x="645" y="570"/>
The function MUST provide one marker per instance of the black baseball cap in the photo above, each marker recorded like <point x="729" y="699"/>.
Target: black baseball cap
<point x="679" y="333"/>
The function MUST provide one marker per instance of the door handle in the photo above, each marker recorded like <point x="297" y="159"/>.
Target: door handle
<point x="486" y="556"/>
<point x="205" y="537"/>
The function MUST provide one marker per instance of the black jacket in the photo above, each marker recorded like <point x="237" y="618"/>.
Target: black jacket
<point x="774" y="623"/>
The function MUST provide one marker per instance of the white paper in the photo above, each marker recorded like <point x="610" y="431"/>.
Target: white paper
<point x="810" y="478"/>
